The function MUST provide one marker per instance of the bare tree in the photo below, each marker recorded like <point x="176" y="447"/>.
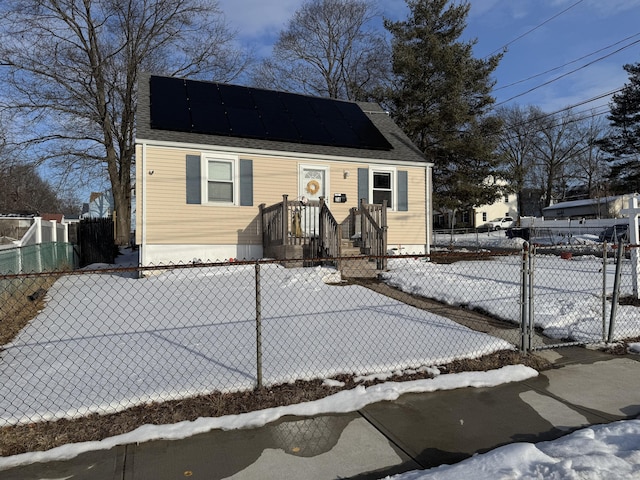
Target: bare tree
<point x="559" y="142"/>
<point x="516" y="147"/>
<point x="329" y="48"/>
<point x="72" y="69"/>
<point x="590" y="168"/>
<point x="23" y="191"/>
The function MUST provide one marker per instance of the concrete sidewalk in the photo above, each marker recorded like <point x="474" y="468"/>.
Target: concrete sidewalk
<point x="417" y="431"/>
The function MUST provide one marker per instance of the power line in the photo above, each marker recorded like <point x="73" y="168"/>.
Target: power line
<point x="583" y="102"/>
<point x="568" y="63"/>
<point x="578" y="117"/>
<point x="566" y="74"/>
<point x="504" y="47"/>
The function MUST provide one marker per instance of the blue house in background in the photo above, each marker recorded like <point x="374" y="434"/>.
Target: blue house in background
<point x="100" y="205"/>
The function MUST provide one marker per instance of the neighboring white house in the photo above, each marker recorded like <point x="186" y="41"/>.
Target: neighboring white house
<point x="505" y="206"/>
<point x="605" y="207"/>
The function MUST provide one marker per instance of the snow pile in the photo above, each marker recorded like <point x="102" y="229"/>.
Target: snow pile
<point x="604" y="451"/>
<point x="341" y="402"/>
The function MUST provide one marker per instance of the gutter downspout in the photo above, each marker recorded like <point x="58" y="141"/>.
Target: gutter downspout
<point x="428" y="210"/>
<point x="143" y="219"/>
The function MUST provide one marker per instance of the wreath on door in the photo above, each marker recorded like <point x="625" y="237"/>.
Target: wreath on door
<point x="313" y="187"/>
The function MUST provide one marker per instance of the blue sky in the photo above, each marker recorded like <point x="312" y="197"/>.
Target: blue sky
<point x="587" y="26"/>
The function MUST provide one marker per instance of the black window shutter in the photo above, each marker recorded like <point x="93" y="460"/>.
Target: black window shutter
<point x="403" y="191"/>
<point x="246" y="183"/>
<point x="194" y="186"/>
<point x="363" y="185"/>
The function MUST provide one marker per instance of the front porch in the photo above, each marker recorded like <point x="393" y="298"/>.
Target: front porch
<point x="307" y="230"/>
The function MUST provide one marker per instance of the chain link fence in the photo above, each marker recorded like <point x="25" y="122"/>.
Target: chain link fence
<point x="101" y="341"/>
<point x="580" y="294"/>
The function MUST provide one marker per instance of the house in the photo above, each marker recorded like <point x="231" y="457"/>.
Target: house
<point x="603" y="207"/>
<point x="225" y="171"/>
<point x="100" y="205"/>
<point x="505" y="206"/>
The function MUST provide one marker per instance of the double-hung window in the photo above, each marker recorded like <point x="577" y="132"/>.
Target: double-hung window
<point x="220" y="181"/>
<point x="383" y="183"/>
<point x="380" y="183"/>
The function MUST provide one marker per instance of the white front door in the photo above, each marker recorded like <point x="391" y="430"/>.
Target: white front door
<point x="313" y="185"/>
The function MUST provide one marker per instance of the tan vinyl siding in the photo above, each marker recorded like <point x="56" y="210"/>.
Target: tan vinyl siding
<point x="170" y="220"/>
<point x="408" y="228"/>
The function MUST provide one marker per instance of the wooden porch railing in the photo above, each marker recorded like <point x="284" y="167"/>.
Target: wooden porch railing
<point x="330" y="233"/>
<point x="312" y="225"/>
<point x="368" y="229"/>
<point x="309" y="224"/>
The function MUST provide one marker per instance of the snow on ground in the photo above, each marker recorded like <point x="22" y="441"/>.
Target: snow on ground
<point x="341" y="402"/>
<point x="567" y="296"/>
<point x="496" y="239"/>
<point x="105" y="342"/>
<point x="609" y="451"/>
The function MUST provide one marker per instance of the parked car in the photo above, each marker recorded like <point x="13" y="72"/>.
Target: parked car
<point x="499" y="223"/>
<point x="614" y="233"/>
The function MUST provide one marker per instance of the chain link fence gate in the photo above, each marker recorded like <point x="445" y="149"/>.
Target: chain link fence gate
<point x="574" y="297"/>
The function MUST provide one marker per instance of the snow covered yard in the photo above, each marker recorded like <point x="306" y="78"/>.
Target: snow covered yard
<point x="567" y="293"/>
<point x="105" y="342"/>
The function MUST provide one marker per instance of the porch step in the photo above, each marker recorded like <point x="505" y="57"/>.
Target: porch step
<point x="350" y="251"/>
<point x="358" y="268"/>
<point x="348" y="248"/>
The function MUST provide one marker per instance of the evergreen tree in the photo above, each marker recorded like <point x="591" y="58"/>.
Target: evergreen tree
<point x="441" y="99"/>
<point x="623" y="144"/>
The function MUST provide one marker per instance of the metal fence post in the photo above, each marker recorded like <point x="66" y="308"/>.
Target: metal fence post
<point x="604" y="291"/>
<point x="532" y="250"/>
<point x="258" y="328"/>
<point x="616" y="291"/>
<point x="524" y="300"/>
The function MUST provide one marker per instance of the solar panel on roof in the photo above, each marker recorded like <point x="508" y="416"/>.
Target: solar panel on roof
<point x="337" y="127"/>
<point x="312" y="130"/>
<point x="235" y="96"/>
<point x="278" y="125"/>
<point x="221" y="109"/>
<point x="207" y="115"/>
<point x="245" y="122"/>
<point x="370" y="136"/>
<point x="169" y="108"/>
